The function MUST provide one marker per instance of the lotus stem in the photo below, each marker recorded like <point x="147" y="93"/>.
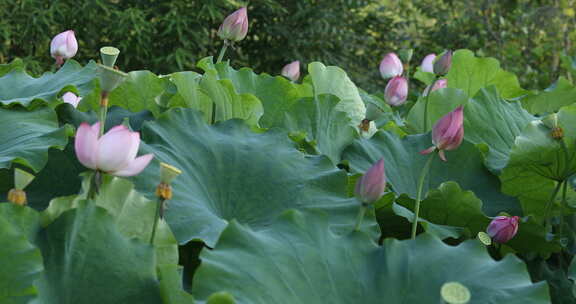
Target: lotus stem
<point x="419" y="194"/>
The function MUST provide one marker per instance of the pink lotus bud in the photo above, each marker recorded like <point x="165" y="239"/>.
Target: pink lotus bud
<point x="63" y="46"/>
<point x="442" y="64"/>
<point x="447" y="133"/>
<point x="71" y="98"/>
<point x="503" y="228"/>
<point x="292" y="70"/>
<point x="370" y="187"/>
<point x="114" y="152"/>
<point x="428" y="63"/>
<point x="438" y="84"/>
<point x="396" y="91"/>
<point x="235" y="26"/>
<point x="391" y="66"/>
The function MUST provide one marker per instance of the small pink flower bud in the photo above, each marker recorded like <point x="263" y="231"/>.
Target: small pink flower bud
<point x="438" y="84"/>
<point x="71" y="98"/>
<point x="396" y="91"/>
<point x="391" y="66"/>
<point x="63" y="46"/>
<point x="442" y="64"/>
<point x="503" y="228"/>
<point x="447" y="133"/>
<point x="292" y="70"/>
<point x="370" y="187"/>
<point x="235" y="26"/>
<point x="428" y="63"/>
<point x="114" y="152"/>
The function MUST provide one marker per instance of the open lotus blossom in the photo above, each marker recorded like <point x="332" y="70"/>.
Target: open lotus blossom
<point x="370" y="187"/>
<point x="503" y="228"/>
<point x="438" y="84"/>
<point x="442" y="64"/>
<point x="447" y="133"/>
<point x="63" y="46"/>
<point x="391" y="66"/>
<point x="428" y="63"/>
<point x="292" y="70"/>
<point x="396" y="91"/>
<point x="114" y="152"/>
<point x="235" y="26"/>
<point x="71" y="98"/>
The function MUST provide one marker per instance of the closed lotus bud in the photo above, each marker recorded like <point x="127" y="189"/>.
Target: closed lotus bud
<point x="391" y="66"/>
<point x="114" y="152"/>
<point x="428" y="63"/>
<point x="442" y="64"/>
<point x="396" y="91"/>
<point x="503" y="228"/>
<point x="63" y="46"/>
<point x="235" y="26"/>
<point x="438" y="84"/>
<point x="71" y="98"/>
<point x="292" y="70"/>
<point x="370" y="187"/>
<point x="447" y="133"/>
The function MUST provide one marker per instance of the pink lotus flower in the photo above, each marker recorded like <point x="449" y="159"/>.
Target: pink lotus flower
<point x="235" y="26"/>
<point x="396" y="91"/>
<point x="503" y="228"/>
<point x="292" y="70"/>
<point x="438" y="84"/>
<point x="71" y="98"/>
<point x="63" y="46"/>
<point x="391" y="66"/>
<point x="442" y="65"/>
<point x="114" y="152"/>
<point x="428" y="63"/>
<point x="447" y="133"/>
<point x="370" y="187"/>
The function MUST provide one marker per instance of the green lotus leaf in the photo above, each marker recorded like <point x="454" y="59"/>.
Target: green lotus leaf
<point x="562" y="289"/>
<point x="20" y="261"/>
<point x="298" y="260"/>
<point x="89" y="260"/>
<point x="321" y="123"/>
<point x="188" y="93"/>
<point x="562" y="93"/>
<point x="231" y="173"/>
<point x="490" y="120"/>
<point x="471" y="73"/>
<point x="139" y="92"/>
<point x="26" y="219"/>
<point x="538" y="162"/>
<point x="31" y="134"/>
<point x="277" y="94"/>
<point x="21" y="88"/>
<point x="333" y="80"/>
<point x="404" y="163"/>
<point x="171" y="286"/>
<point x="450" y="211"/>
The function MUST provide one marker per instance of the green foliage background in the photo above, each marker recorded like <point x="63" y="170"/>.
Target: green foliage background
<point x="527" y="36"/>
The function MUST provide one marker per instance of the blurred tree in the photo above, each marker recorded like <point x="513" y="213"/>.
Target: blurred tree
<point x="527" y="36"/>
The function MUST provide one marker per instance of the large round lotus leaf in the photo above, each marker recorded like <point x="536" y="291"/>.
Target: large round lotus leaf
<point x="561" y="93"/>
<point x="88" y="260"/>
<point x="28" y="135"/>
<point x="299" y="260"/>
<point x="404" y="164"/>
<point x="132" y="213"/>
<point x="493" y="121"/>
<point x="321" y="124"/>
<point x="471" y="73"/>
<point x="537" y="161"/>
<point x="277" y="94"/>
<point x="138" y="92"/>
<point x="230" y="172"/>
<point x="19" y="87"/>
<point x="20" y="261"/>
